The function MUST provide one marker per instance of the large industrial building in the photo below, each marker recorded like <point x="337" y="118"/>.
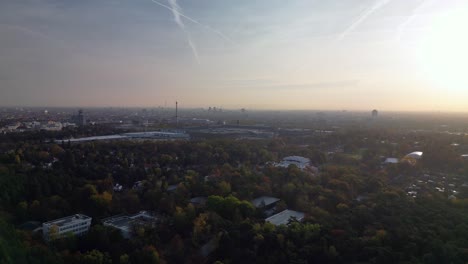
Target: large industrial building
<point x="153" y="135"/>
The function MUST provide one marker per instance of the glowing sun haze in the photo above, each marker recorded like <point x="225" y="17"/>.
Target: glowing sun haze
<point x="265" y="54"/>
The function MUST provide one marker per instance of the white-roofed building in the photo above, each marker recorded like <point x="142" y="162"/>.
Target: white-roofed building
<point x="77" y="224"/>
<point x="283" y="217"/>
<point x="156" y="135"/>
<point x="391" y="161"/>
<point x="415" y="155"/>
<point x="301" y="162"/>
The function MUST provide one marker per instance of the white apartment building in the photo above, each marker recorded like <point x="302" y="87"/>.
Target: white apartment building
<point x="77" y="224"/>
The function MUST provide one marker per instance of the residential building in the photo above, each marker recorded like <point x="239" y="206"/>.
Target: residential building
<point x="265" y="202"/>
<point x="198" y="201"/>
<point x="391" y="161"/>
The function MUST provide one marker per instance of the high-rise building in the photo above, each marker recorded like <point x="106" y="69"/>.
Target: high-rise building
<point x="79" y="119"/>
<point x="375" y="113"/>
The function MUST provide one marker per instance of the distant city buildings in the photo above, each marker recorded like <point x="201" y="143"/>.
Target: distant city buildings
<point x="77" y="224"/>
<point x="375" y="113"/>
<point x="19" y="127"/>
<point x="239" y="132"/>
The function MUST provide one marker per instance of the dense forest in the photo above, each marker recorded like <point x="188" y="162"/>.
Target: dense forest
<point x="357" y="209"/>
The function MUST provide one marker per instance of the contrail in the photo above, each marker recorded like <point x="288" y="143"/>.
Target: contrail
<point x="411" y="18"/>
<point x="176" y="12"/>
<point x="379" y="4"/>
<point x="180" y="14"/>
<point x="175" y="8"/>
<point x="193" y="47"/>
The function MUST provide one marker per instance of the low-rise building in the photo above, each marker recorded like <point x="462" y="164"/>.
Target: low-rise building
<point x="172" y="188"/>
<point x="300" y="162"/>
<point x="415" y="155"/>
<point x="127" y="223"/>
<point x="77" y="224"/>
<point x="265" y="202"/>
<point x="284" y="217"/>
<point x="198" y="201"/>
<point x="391" y="161"/>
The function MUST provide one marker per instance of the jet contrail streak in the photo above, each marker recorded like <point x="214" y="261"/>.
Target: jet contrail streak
<point x="193" y="47"/>
<point x="379" y="4"/>
<point x="175" y="8"/>
<point x="411" y="18"/>
<point x="180" y="14"/>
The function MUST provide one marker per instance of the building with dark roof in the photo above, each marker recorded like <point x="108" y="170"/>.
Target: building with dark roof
<point x="265" y="202"/>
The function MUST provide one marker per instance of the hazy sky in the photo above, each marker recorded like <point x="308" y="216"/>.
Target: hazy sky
<point x="263" y="54"/>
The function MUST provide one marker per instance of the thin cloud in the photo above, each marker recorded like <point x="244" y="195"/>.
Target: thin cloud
<point x="379" y="4"/>
<point x="304" y="86"/>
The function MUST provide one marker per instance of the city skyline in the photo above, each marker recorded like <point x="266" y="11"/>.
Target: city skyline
<point x="354" y="55"/>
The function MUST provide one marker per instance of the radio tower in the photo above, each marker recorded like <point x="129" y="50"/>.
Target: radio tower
<point x="176" y="114"/>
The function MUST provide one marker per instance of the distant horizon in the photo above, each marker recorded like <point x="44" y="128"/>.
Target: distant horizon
<point x="398" y="55"/>
<point x="380" y="111"/>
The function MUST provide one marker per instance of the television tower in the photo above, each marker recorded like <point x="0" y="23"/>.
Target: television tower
<point x="176" y="114"/>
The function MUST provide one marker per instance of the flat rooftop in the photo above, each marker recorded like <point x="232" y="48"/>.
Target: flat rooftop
<point x="391" y="160"/>
<point x="125" y="222"/>
<point x="66" y="220"/>
<point x="283" y="217"/>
